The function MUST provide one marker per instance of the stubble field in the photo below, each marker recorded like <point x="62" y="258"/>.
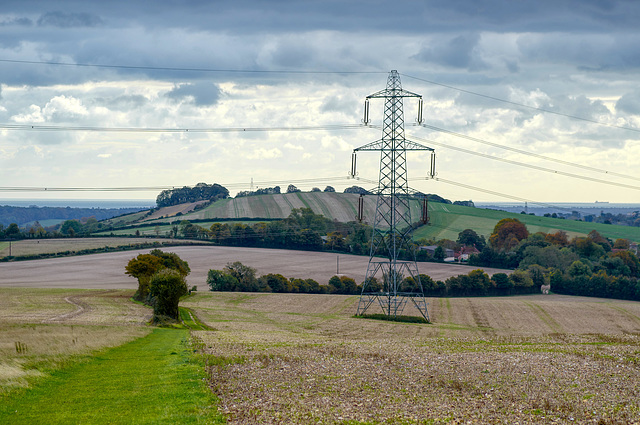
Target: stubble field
<point x="300" y="359"/>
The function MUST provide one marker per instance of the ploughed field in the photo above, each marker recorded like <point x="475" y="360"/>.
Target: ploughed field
<point x="532" y="359"/>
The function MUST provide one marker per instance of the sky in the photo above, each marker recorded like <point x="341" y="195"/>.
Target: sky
<point x="523" y="100"/>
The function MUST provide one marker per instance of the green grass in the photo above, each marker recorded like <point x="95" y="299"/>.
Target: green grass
<point x="153" y="380"/>
<point x="191" y="321"/>
<point x="446" y="221"/>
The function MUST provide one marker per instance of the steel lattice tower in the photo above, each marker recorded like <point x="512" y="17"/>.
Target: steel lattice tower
<point x="392" y="225"/>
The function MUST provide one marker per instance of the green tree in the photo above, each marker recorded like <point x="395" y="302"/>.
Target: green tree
<point x="276" y="283"/>
<point x="503" y="284"/>
<point x="221" y="281"/>
<point x="12" y="231"/>
<point x="245" y="275"/>
<point x="522" y="282"/>
<point x="142" y="268"/>
<point x="167" y="286"/>
<point x="171" y="260"/>
<point x="439" y="254"/>
<point x="469" y="237"/>
<point x="71" y="228"/>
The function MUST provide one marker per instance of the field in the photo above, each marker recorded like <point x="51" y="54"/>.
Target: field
<point x="299" y="359"/>
<point x="44" y="329"/>
<point x="446" y="220"/>
<point x="106" y="271"/>
<point x="52" y="246"/>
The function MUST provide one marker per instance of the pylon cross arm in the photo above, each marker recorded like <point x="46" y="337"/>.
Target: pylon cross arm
<point x="393" y="93"/>
<point x="383" y="145"/>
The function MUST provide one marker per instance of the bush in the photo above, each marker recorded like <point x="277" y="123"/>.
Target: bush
<point x="166" y="288"/>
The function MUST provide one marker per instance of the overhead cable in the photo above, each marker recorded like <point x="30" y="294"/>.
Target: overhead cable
<point x="180" y="69"/>
<point x="29" y="127"/>
<point x="522" y="105"/>
<point x="528" y="153"/>
<point x="534" y="167"/>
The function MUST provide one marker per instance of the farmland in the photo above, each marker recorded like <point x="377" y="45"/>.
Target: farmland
<point x="535" y="359"/>
<point x="446" y="220"/>
<point x="295" y="358"/>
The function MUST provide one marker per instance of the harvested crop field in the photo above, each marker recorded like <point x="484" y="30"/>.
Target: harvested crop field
<point x="300" y="359"/>
<point x="52" y="246"/>
<point x="106" y="271"/>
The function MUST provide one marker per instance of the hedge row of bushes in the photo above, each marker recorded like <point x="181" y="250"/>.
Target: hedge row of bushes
<point x="240" y="278"/>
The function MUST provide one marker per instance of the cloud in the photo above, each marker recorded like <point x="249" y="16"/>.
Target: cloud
<point x="203" y="93"/>
<point x="459" y="52"/>
<point x="69" y="20"/>
<point x="629" y="103"/>
<point x="262" y="153"/>
<point x="10" y="22"/>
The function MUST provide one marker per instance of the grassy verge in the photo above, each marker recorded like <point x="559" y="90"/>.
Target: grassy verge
<point x="155" y="379"/>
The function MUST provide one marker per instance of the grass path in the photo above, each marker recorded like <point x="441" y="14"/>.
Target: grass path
<point x="152" y="380"/>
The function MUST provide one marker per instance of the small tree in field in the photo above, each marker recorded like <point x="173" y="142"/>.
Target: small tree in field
<point x="167" y="286"/>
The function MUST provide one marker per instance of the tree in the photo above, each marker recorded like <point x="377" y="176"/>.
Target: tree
<point x="292" y="189"/>
<point x="245" y="275"/>
<point x="356" y="189"/>
<point x="221" y="281"/>
<point x="142" y="268"/>
<point x="167" y="286"/>
<point x="503" y="284"/>
<point x="12" y="231"/>
<point x="621" y="244"/>
<point x="171" y="260"/>
<point x="558" y="238"/>
<point x="439" y="254"/>
<point x="507" y="234"/>
<point x="71" y="228"/>
<point x="469" y="237"/>
<point x="315" y="189"/>
<point x="329" y="189"/>
<point x="276" y="283"/>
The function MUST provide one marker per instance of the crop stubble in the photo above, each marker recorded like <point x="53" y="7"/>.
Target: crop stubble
<point x="304" y="359"/>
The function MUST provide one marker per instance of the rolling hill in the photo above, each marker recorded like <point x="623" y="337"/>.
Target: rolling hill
<point x="445" y="220"/>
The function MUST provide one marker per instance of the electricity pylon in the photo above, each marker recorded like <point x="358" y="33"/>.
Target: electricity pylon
<point x="391" y="243"/>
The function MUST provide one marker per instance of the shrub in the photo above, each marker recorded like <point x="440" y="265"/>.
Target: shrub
<point x="166" y="288"/>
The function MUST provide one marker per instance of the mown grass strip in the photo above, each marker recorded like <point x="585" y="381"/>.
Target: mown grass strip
<point x="152" y="380"/>
<point x="191" y="321"/>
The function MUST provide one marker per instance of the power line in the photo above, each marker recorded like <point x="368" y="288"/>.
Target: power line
<point x="150" y="188"/>
<point x="180" y="69"/>
<point x="534" y="167"/>
<point x="520" y="151"/>
<point x="522" y="105"/>
<point x="27" y="127"/>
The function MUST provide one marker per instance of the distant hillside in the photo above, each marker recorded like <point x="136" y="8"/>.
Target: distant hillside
<point x="23" y="216"/>
<point x="446" y="220"/>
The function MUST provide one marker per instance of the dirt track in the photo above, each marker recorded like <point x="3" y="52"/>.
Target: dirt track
<point x="106" y="271"/>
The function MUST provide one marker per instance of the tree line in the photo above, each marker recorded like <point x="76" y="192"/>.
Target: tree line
<point x="237" y="277"/>
<point x="589" y="265"/>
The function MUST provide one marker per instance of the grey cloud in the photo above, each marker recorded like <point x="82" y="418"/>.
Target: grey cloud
<point x="629" y="103"/>
<point x="69" y="20"/>
<point x="459" y="52"/>
<point x="203" y="93"/>
<point x="23" y="22"/>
